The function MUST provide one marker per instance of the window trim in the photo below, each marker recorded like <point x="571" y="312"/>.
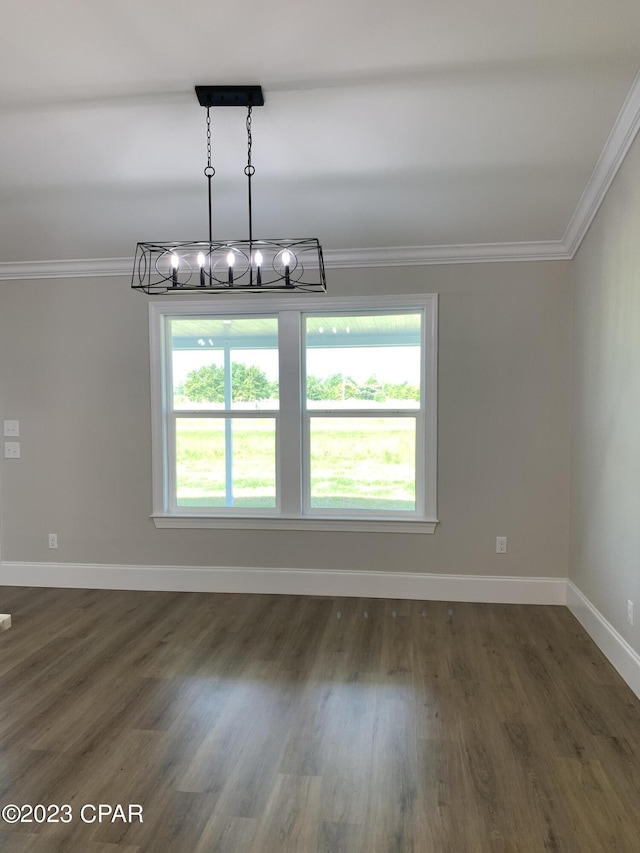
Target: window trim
<point x="288" y="310"/>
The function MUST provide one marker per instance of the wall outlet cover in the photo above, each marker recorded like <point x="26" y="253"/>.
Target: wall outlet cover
<point x="12" y="428"/>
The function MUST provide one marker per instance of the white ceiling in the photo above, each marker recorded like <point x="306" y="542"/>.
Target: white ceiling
<point x="385" y="124"/>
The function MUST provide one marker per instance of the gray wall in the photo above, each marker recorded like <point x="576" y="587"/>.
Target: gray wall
<point x="74" y="369"/>
<point x="605" y="473"/>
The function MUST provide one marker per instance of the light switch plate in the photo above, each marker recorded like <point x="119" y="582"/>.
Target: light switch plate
<point x="12" y="428"/>
<point x="12" y="450"/>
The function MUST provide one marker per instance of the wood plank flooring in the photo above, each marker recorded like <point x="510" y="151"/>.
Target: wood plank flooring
<point x="277" y="724"/>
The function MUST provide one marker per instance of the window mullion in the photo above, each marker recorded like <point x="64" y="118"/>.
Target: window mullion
<point x="289" y="434"/>
<point x="171" y="455"/>
<point x="228" y="429"/>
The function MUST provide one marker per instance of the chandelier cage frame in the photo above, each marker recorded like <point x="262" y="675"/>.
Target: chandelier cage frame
<point x="229" y="266"/>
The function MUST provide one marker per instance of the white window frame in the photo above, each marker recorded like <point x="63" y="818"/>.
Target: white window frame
<point x="292" y="511"/>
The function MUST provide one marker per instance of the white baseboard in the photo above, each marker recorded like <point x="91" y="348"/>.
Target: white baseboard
<point x="360" y="584"/>
<point x="5" y="622"/>
<point x="612" y="644"/>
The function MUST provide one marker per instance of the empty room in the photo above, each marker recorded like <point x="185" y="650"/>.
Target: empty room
<point x="320" y="397"/>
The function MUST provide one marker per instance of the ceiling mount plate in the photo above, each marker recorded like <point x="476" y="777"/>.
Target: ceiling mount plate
<point x="230" y="96"/>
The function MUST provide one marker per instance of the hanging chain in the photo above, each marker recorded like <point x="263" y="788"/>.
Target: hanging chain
<point x="209" y="170"/>
<point x="249" y="171"/>
<point x="209" y="173"/>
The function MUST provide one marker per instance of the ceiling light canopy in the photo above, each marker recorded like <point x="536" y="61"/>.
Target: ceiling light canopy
<point x="230" y="266"/>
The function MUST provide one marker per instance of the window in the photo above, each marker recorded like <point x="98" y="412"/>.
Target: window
<point x="295" y="413"/>
<point x="222" y="416"/>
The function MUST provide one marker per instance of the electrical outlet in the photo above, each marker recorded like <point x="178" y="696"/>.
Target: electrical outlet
<point x="53" y="540"/>
<point x="501" y="544"/>
<point x="12" y="450"/>
<point x="630" y="612"/>
<point x="12" y="428"/>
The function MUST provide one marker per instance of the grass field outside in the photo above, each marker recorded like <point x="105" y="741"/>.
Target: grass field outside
<point x="357" y="463"/>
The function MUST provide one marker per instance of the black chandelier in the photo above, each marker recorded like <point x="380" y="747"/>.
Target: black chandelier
<point x="230" y="266"/>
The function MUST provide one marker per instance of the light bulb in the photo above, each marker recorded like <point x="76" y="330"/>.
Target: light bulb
<point x="175" y="261"/>
<point x="286" y="258"/>
<point x="201" y="265"/>
<point x="231" y="259"/>
<point x="258" y="258"/>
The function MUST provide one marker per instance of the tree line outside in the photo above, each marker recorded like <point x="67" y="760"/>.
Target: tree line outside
<point x="249" y="383"/>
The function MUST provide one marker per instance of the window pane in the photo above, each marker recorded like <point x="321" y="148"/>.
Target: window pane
<point x="363" y="361"/>
<point x="225" y="362"/>
<point x="363" y="463"/>
<point x="226" y="462"/>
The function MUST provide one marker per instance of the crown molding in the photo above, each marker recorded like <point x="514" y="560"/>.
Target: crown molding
<point x="392" y="256"/>
<point x="77" y="268"/>
<point x="615" y="149"/>
<point x="469" y="253"/>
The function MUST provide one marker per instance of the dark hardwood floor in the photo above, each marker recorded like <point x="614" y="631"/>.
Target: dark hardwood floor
<point x="264" y="724"/>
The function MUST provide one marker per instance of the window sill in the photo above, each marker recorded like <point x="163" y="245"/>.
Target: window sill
<point x="190" y="522"/>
